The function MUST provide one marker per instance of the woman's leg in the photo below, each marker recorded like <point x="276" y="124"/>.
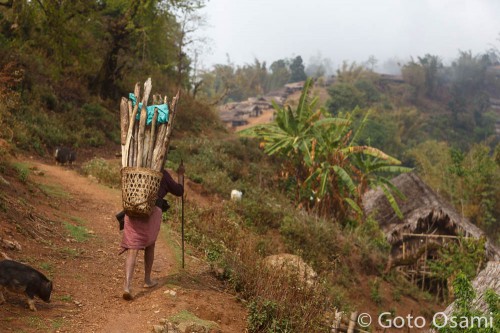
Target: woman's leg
<point x="149" y="257"/>
<point x="129" y="272"/>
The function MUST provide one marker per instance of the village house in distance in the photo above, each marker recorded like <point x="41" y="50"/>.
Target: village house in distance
<point x="237" y="114"/>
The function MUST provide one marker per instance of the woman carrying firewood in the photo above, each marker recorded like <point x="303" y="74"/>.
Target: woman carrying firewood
<point x="145" y="138"/>
<point x="140" y="233"/>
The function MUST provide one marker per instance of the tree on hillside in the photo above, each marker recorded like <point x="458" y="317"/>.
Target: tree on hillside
<point x="227" y="82"/>
<point x="371" y="63"/>
<point x="469" y="72"/>
<point x="150" y="35"/>
<point x="344" y="97"/>
<point x="318" y="66"/>
<point x="251" y="79"/>
<point x="297" y="70"/>
<point x="219" y="83"/>
<point x="423" y="75"/>
<point x="52" y="28"/>
<point x="66" y="51"/>
<point x="183" y="39"/>
<point x="355" y="86"/>
<point x="280" y="74"/>
<point x="100" y="40"/>
<point x="120" y="24"/>
<point x="468" y="101"/>
<point x="352" y="72"/>
<point x="468" y="179"/>
<point x="414" y="75"/>
<point x="320" y="154"/>
<point x="431" y="65"/>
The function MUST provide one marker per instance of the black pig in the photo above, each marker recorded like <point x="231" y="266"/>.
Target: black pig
<point x="64" y="155"/>
<point x="22" y="278"/>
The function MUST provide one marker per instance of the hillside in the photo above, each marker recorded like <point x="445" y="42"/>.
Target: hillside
<point x="63" y="224"/>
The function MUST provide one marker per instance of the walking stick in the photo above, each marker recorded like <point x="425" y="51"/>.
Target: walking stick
<point x="182" y="217"/>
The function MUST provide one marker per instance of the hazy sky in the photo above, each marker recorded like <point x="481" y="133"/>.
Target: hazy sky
<point x="347" y="29"/>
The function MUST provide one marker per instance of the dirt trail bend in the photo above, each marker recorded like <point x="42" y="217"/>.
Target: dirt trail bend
<point x="88" y="274"/>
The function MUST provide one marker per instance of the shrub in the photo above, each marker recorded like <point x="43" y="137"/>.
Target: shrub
<point x="105" y="172"/>
<point x="375" y="291"/>
<point x="23" y="171"/>
<point x="195" y="117"/>
<point x="262" y="316"/>
<point x="464" y="296"/>
<point x="318" y="241"/>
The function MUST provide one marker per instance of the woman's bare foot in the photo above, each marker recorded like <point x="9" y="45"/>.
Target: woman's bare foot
<point x="127" y="295"/>
<point x="150" y="284"/>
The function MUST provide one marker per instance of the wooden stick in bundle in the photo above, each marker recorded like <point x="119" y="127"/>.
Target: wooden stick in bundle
<point x="171" y="118"/>
<point x="130" y="112"/>
<point x="156" y="99"/>
<point x="124" y="121"/>
<point x="160" y="157"/>
<point x="140" y="137"/>
<point x="149" y="160"/>
<point x="142" y="122"/>
<point x="147" y="138"/>
<point x="131" y="126"/>
<point x="160" y="139"/>
<point x="163" y="139"/>
<point x="132" y="162"/>
<point x="150" y="137"/>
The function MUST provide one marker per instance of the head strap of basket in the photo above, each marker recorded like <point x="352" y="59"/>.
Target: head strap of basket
<point x="145" y="137"/>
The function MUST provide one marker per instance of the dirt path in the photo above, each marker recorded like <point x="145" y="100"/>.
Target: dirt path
<point x="88" y="274"/>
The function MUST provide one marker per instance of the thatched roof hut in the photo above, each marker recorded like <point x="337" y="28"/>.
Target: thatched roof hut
<point x="424" y="212"/>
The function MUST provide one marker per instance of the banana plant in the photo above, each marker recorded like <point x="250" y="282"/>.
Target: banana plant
<point x="321" y="152"/>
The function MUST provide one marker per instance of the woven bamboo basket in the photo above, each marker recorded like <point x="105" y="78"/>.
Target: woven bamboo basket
<point x="139" y="190"/>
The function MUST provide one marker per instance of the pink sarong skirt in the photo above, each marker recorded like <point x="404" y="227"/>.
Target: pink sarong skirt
<point x="139" y="233"/>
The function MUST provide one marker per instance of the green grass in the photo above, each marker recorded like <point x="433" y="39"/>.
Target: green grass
<point x="66" y="298"/>
<point x="36" y="322"/>
<point x="168" y="235"/>
<point x="54" y="191"/>
<point x="79" y="233"/>
<point x="105" y="172"/>
<point x="23" y="171"/>
<point x="186" y="316"/>
<point x="78" y="220"/>
<point x="47" y="267"/>
<point x="57" y="323"/>
<point x="71" y="253"/>
<point x="375" y="291"/>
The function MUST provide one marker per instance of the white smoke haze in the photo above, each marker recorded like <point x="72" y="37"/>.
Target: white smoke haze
<point x="390" y="31"/>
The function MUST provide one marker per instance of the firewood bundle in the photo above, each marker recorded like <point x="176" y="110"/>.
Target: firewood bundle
<point x="145" y="143"/>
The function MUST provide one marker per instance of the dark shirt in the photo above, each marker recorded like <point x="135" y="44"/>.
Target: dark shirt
<point x="169" y="185"/>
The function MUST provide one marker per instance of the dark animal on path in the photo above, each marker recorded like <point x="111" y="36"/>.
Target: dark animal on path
<point x="64" y="155"/>
<point x="21" y="278"/>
